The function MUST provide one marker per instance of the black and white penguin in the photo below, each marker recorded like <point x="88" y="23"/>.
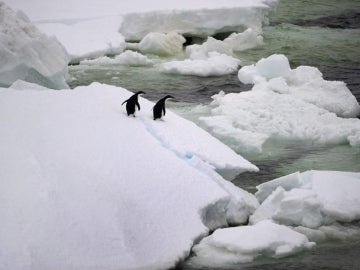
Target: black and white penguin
<point x="159" y="108"/>
<point x="132" y="102"/>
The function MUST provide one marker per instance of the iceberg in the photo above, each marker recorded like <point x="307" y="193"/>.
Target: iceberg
<point x="197" y="19"/>
<point x="304" y="82"/>
<point x="234" y="43"/>
<point x="215" y="65"/>
<point x="243" y="244"/>
<point x="27" y="54"/>
<point x="285" y="103"/>
<point x="162" y="44"/>
<point x="310" y="199"/>
<point x="89" y="30"/>
<point x="88" y="38"/>
<point x="246" y="120"/>
<point x="84" y="186"/>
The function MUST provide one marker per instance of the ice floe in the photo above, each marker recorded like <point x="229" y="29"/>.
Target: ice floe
<point x="245" y="243"/>
<point x="310" y="199"/>
<point x="28" y="54"/>
<point x="284" y="103"/>
<point x="88" y="38"/>
<point x="88" y="29"/>
<point x="215" y="64"/>
<point x="84" y="185"/>
<point x="162" y="44"/>
<point x="304" y="82"/>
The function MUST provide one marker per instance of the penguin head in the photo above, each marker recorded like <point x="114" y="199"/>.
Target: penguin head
<point x="168" y="96"/>
<point x="139" y="93"/>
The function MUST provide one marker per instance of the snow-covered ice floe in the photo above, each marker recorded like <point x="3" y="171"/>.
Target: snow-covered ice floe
<point x="284" y="103"/>
<point x="215" y="65"/>
<point x="296" y="211"/>
<point x="83" y="185"/>
<point x="246" y="243"/>
<point x="28" y="54"/>
<point x="88" y="38"/>
<point x="304" y="82"/>
<point x="197" y="18"/>
<point x="88" y="29"/>
<point x="310" y="199"/>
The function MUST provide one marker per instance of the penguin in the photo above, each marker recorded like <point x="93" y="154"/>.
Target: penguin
<point x="159" y="108"/>
<point x="132" y="102"/>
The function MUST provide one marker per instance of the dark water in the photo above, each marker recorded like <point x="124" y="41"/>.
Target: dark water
<point x="321" y="33"/>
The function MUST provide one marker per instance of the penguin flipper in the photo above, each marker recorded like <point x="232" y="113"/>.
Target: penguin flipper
<point x="138" y="105"/>
<point x="164" y="110"/>
<point x="124" y="102"/>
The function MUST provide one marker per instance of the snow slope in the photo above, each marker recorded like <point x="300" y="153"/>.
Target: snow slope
<point x="84" y="186"/>
<point x="28" y="54"/>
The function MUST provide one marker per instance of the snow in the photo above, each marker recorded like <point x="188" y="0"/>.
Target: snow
<point x="162" y="44"/>
<point x="199" y="20"/>
<point x="310" y="199"/>
<point x="88" y="38"/>
<point x="128" y="58"/>
<point x="304" y="82"/>
<point x="27" y="54"/>
<point x="85" y="186"/>
<point x="215" y="65"/>
<point x="243" y="244"/>
<point x="235" y="42"/>
<point x="246" y="120"/>
<point x="89" y="29"/>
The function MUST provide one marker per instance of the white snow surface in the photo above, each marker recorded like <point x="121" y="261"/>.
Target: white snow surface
<point x="88" y="38"/>
<point x="243" y="244"/>
<point x="27" y="54"/>
<point x="304" y="82"/>
<point x="310" y="199"/>
<point x="199" y="19"/>
<point x="246" y="120"/>
<point x="215" y="64"/>
<point x="284" y="103"/>
<point x="84" y="186"/>
<point x="95" y="28"/>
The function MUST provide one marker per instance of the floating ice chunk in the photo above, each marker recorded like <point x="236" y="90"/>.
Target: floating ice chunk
<point x="202" y="51"/>
<point x="29" y="55"/>
<point x="338" y="192"/>
<point x="215" y="65"/>
<point x="274" y="66"/>
<point x="246" y="243"/>
<point x="312" y="199"/>
<point x="90" y="187"/>
<point x="89" y="38"/>
<point x="246" y="120"/>
<point x="235" y="42"/>
<point x="162" y="44"/>
<point x="243" y="41"/>
<point x="128" y="58"/>
<point x="304" y="82"/>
